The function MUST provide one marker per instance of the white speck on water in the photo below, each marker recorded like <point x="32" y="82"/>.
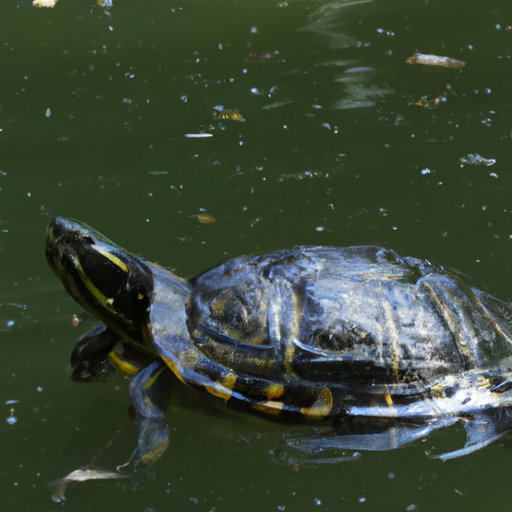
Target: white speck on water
<point x="10" y="323"/>
<point x="198" y="135"/>
<point x="362" y="499"/>
<point x="320" y="228"/>
<point x="254" y="30"/>
<point x="281" y="507"/>
<point x="410" y="507"/>
<point x="426" y="171"/>
<point x="11" y="420"/>
<point x="317" y="501"/>
<point x="48" y="112"/>
<point x="391" y="475"/>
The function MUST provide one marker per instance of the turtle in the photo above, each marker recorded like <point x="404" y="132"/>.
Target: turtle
<point x="367" y="349"/>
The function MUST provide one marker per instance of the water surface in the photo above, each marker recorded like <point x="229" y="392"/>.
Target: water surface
<point x="342" y="143"/>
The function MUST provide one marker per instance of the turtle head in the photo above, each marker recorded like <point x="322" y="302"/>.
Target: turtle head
<point x="103" y="278"/>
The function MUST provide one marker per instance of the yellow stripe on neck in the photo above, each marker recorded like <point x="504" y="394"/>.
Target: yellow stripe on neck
<point x="100" y="297"/>
<point x="114" y="259"/>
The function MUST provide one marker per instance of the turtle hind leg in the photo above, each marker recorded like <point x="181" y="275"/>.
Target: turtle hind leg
<point x="360" y="434"/>
<point x="150" y="393"/>
<point x="482" y="428"/>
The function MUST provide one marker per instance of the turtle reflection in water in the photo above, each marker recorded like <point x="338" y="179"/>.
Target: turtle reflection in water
<point x="380" y="348"/>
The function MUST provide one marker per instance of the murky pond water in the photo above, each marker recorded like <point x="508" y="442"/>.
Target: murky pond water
<point x="318" y="132"/>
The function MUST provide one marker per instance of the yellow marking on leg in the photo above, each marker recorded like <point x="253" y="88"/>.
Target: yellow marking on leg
<point x="271" y="407"/>
<point x="123" y="366"/>
<point x="321" y="408"/>
<point x="149" y="382"/>
<point x="174" y="368"/>
<point x="388" y="399"/>
<point x="274" y="391"/>
<point x="224" y="388"/>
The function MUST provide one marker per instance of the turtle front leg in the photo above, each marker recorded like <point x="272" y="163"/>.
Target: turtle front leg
<point x="150" y="392"/>
<point x="89" y="359"/>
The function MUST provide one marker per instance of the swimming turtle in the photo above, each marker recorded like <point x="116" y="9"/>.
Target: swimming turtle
<point x="380" y="348"/>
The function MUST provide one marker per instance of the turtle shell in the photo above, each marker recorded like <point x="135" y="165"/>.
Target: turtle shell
<point x="322" y="332"/>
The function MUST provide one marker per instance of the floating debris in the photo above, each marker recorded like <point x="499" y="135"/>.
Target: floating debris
<point x="75" y="321"/>
<point x="435" y="60"/>
<point x="198" y="135"/>
<point x="266" y="55"/>
<point x="476" y="159"/>
<point x="206" y="218"/>
<point x="429" y="103"/>
<point x="44" y="3"/>
<point x="222" y="114"/>
<point x="80" y="475"/>
<point x="276" y="104"/>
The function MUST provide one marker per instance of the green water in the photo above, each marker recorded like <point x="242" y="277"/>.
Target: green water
<point x="94" y="108"/>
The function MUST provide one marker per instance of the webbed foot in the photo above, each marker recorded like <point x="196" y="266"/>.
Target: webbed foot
<point x="150" y="392"/>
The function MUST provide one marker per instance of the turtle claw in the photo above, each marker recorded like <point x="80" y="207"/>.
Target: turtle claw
<point x="150" y="392"/>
